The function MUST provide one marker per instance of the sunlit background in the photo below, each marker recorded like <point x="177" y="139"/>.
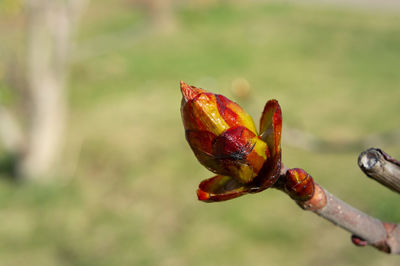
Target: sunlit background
<point x="118" y="187"/>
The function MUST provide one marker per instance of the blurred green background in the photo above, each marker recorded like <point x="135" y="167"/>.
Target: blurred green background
<point x="124" y="193"/>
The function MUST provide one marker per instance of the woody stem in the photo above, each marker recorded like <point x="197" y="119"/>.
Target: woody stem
<point x="366" y="230"/>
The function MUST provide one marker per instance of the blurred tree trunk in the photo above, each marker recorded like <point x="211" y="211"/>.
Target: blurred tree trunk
<point x="48" y="43"/>
<point x="161" y="13"/>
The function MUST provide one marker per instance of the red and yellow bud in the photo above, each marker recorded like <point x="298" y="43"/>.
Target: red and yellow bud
<point x="222" y="135"/>
<point x="299" y="184"/>
<point x="224" y="139"/>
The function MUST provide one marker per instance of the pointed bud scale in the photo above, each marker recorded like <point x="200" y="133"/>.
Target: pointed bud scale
<point x="271" y="126"/>
<point x="224" y="139"/>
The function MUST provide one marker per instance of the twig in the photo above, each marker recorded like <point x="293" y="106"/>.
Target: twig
<point x="298" y="138"/>
<point x="381" y="167"/>
<point x="384" y="236"/>
<point x="366" y="230"/>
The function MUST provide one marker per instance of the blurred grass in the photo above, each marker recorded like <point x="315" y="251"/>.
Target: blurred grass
<point x="129" y="196"/>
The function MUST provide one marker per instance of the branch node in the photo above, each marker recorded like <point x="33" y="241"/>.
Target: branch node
<point x="393" y="236"/>
<point x="318" y="200"/>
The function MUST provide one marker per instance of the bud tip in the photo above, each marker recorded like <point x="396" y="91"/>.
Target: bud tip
<point x="189" y="92"/>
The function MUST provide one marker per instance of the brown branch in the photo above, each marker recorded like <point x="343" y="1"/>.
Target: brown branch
<point x="366" y="230"/>
<point x="383" y="236"/>
<point x="381" y="167"/>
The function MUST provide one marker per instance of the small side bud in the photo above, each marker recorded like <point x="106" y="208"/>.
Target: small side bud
<point x="299" y="184"/>
<point x="358" y="241"/>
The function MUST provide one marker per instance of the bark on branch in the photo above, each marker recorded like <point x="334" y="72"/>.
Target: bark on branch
<point x="365" y="229"/>
<point x="381" y="167"/>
